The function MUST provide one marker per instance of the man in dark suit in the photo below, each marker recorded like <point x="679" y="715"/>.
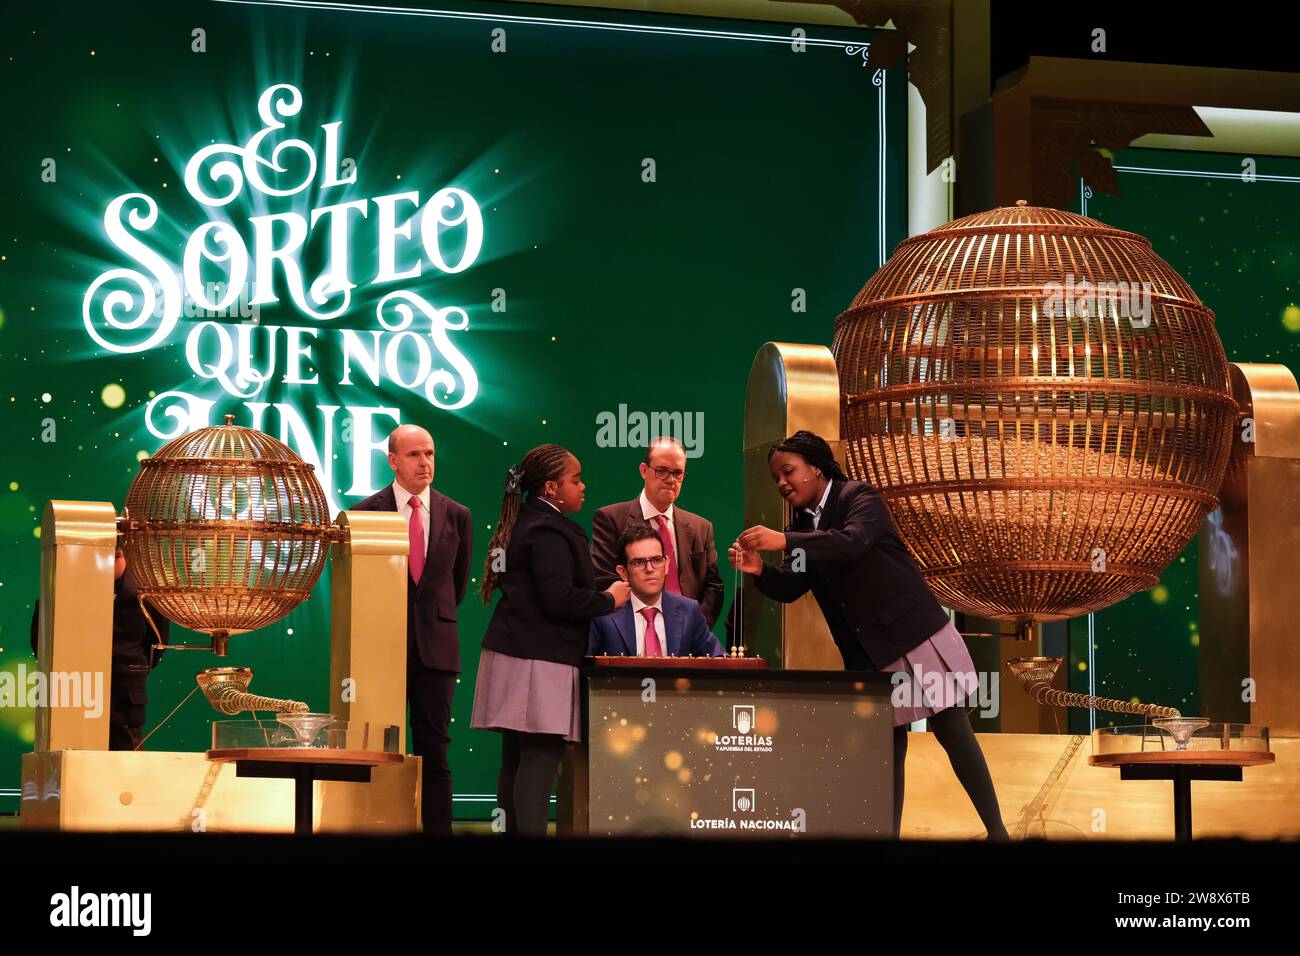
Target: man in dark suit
<point x="134" y="656"/>
<point x="655" y="622"/>
<point x="692" y="569"/>
<point x="441" y="541"/>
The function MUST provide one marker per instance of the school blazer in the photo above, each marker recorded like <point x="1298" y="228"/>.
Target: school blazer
<point x="548" y="589"/>
<point x="865" y="581"/>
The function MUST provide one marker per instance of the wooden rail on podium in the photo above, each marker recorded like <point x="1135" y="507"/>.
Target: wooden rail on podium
<point x="696" y="663"/>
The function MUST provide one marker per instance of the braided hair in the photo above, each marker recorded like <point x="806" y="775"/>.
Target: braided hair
<point x="813" y="449"/>
<point x="544" y="463"/>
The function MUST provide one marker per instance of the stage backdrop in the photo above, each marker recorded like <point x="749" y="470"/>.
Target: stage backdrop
<point x="1227" y="223"/>
<point x="510" y="224"/>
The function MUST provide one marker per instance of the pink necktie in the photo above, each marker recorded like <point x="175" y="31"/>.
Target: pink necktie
<point x="652" y="648"/>
<point x="416" y="534"/>
<point x="670" y="582"/>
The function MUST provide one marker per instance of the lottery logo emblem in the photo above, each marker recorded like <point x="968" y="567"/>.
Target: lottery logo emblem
<point x="742" y="718"/>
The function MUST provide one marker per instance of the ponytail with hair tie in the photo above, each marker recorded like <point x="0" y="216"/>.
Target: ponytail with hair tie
<point x="544" y="463"/>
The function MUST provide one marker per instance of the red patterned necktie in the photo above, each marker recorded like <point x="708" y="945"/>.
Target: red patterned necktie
<point x="670" y="582"/>
<point x="415" y="531"/>
<point x="652" y="648"/>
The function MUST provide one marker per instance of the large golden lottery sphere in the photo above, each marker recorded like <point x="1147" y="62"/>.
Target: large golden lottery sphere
<point x="1043" y="404"/>
<point x="227" y="530"/>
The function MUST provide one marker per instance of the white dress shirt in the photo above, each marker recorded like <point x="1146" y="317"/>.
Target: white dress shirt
<point x="639" y="618"/>
<point x="821" y="506"/>
<point x="650" y="512"/>
<point x="404" y="508"/>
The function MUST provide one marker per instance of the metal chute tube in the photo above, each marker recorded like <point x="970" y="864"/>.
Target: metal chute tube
<point x="1036" y="675"/>
<point x="226" y="689"/>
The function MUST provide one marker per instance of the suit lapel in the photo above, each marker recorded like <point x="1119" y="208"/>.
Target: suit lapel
<point x="437" y="516"/>
<point x="673" y="627"/>
<point x="626" y="626"/>
<point x="831" y="513"/>
<point x="682" y="541"/>
<point x="800" y="521"/>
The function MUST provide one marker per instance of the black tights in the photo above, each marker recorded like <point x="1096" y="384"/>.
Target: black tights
<point x="952" y="728"/>
<point x="529" y="763"/>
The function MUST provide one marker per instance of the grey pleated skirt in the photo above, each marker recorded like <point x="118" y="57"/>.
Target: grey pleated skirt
<point x="535" y="697"/>
<point x="942" y="676"/>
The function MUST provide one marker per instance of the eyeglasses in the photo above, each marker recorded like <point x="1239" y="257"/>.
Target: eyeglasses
<point x="665" y="473"/>
<point x="639" y="564"/>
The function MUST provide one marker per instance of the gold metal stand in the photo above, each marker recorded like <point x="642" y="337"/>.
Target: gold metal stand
<point x="790" y="387"/>
<point x="72" y="782"/>
<point x="75" y="631"/>
<point x="1248" y="551"/>
<point x="368" y="621"/>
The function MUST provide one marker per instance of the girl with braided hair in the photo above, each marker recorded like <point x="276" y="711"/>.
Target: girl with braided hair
<point x="879" y="609"/>
<point x="527" y="685"/>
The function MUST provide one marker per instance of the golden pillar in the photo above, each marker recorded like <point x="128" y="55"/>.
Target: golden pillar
<point x="790" y="387"/>
<point x="1249" y="656"/>
<point x="74" y="647"/>
<point x="368" y="623"/>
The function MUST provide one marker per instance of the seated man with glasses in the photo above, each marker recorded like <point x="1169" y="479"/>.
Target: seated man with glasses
<point x="655" y="622"/>
<point x="692" y="560"/>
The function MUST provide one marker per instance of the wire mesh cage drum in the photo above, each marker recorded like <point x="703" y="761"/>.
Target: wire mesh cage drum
<point x="226" y="530"/>
<point x="1042" y="402"/>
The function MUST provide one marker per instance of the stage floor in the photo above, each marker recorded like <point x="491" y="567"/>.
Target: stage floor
<point x="1045" y="788"/>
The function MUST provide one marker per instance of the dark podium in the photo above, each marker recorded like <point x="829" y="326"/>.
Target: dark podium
<point x="723" y="747"/>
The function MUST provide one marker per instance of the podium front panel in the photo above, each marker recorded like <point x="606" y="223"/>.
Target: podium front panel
<point x="749" y="754"/>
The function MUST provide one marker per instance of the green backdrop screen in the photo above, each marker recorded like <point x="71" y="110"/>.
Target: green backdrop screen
<point x="610" y="213"/>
